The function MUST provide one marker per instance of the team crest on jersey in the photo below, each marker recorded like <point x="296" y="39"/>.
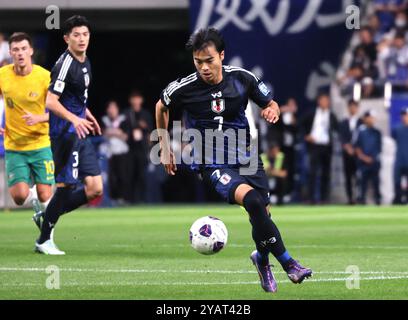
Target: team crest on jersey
<point x="33" y="94"/>
<point x="218" y="105"/>
<point x="86" y="78"/>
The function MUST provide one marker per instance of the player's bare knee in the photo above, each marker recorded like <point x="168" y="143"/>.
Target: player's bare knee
<point x="44" y="195"/>
<point x="19" y="198"/>
<point x="94" y="191"/>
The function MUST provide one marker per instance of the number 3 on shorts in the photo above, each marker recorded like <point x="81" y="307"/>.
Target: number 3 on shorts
<point x="75" y="165"/>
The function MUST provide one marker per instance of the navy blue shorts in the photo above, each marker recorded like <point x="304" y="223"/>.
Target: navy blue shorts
<point x="226" y="180"/>
<point x="74" y="159"/>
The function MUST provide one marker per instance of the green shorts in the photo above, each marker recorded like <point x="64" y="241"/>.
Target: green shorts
<point x="36" y="166"/>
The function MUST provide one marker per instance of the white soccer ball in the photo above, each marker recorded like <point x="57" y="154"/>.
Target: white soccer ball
<point x="208" y="235"/>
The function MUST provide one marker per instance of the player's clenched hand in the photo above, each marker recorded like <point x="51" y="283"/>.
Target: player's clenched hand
<point x="31" y="119"/>
<point x="271" y="114"/>
<point x="82" y="127"/>
<point x="2" y="131"/>
<point x="169" y="161"/>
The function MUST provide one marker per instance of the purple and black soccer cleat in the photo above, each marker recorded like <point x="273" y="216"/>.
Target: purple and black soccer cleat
<point x="266" y="276"/>
<point x="297" y="273"/>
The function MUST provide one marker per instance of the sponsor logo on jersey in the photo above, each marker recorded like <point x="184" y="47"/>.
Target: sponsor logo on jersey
<point x="217" y="95"/>
<point x="263" y="88"/>
<point x="84" y="70"/>
<point x="218" y="105"/>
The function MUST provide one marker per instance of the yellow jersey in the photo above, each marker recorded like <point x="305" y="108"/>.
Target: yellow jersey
<point x="23" y="94"/>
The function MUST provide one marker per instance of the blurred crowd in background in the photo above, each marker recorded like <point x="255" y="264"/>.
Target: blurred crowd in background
<point x="380" y="51"/>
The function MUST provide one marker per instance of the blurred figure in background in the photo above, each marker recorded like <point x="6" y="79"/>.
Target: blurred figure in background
<point x="5" y="57"/>
<point x="347" y="130"/>
<point x="393" y="62"/>
<point x="368" y="148"/>
<point x="386" y="11"/>
<point x="138" y="124"/>
<point x="116" y="150"/>
<point x="318" y="128"/>
<point x="288" y="143"/>
<point x="276" y="169"/>
<point x="400" y="134"/>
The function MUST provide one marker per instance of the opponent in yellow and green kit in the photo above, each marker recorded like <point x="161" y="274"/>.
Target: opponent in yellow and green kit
<point x="28" y="153"/>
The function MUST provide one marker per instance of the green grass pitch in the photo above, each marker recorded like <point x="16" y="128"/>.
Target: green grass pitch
<point x="144" y="253"/>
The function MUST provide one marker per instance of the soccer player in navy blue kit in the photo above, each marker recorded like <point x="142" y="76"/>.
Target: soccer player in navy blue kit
<point x="70" y="123"/>
<point x="214" y="98"/>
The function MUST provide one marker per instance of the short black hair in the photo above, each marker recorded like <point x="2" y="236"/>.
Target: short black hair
<point x="322" y="94"/>
<point x="202" y="38"/>
<point x="135" y="93"/>
<point x="20" y="36"/>
<point x="75" y="21"/>
<point x="352" y="101"/>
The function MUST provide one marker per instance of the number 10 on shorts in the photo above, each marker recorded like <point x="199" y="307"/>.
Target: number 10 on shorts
<point x="75" y="164"/>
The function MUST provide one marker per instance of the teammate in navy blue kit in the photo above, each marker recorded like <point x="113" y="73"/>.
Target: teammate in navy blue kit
<point x="70" y="123"/>
<point x="214" y="98"/>
<point x="400" y="134"/>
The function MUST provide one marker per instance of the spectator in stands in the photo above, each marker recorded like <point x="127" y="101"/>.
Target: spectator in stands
<point x="386" y="10"/>
<point x="400" y="134"/>
<point x="374" y="24"/>
<point x="367" y="44"/>
<point x="401" y="27"/>
<point x="116" y="149"/>
<point x="394" y="62"/>
<point x="276" y="168"/>
<point x="5" y="57"/>
<point x="347" y="130"/>
<point x="138" y="124"/>
<point x="368" y="148"/>
<point x="318" y="128"/>
<point x="354" y="75"/>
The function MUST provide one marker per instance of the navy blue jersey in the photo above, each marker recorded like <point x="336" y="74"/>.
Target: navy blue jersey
<point x="70" y="80"/>
<point x="400" y="134"/>
<point x="369" y="140"/>
<point x="218" y="107"/>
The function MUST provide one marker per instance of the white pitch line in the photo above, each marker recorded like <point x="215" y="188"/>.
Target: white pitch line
<point x="233" y="245"/>
<point x="15" y="269"/>
<point x="145" y="283"/>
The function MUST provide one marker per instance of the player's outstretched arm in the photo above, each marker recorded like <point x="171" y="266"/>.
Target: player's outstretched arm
<point x="271" y="112"/>
<point x="33" y="119"/>
<point x="82" y="126"/>
<point x="162" y="122"/>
